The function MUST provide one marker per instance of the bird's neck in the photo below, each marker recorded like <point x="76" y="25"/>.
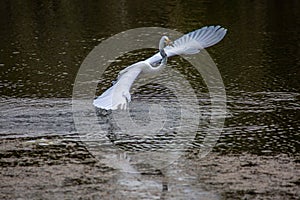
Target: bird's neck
<point x="162" y="54"/>
<point x="161" y="44"/>
<point x="161" y="47"/>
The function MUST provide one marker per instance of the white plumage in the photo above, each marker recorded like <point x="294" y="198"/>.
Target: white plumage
<point x="118" y="95"/>
<point x="193" y="42"/>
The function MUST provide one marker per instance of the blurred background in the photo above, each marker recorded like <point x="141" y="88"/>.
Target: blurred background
<point x="43" y="44"/>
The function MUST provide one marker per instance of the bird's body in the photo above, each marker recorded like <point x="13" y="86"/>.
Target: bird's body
<point x="118" y="95"/>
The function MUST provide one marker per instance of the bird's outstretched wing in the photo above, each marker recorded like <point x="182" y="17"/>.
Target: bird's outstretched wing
<point x="118" y="96"/>
<point x="193" y="42"/>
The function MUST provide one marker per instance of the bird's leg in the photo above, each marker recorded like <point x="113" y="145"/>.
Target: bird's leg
<point x="127" y="96"/>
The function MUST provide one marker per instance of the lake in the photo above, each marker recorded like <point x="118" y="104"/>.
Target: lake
<point x="44" y="45"/>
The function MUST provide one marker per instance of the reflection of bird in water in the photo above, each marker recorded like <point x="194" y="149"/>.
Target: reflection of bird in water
<point x="118" y="96"/>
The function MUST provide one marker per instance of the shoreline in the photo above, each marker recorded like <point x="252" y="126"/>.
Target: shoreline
<point x="61" y="169"/>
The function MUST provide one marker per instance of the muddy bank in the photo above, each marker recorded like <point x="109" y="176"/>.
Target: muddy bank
<point x="249" y="176"/>
<point x="55" y="168"/>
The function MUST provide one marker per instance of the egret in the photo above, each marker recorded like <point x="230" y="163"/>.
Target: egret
<point x="118" y="95"/>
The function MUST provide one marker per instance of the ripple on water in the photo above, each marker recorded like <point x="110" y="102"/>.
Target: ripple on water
<point x="264" y="122"/>
<point x="27" y="117"/>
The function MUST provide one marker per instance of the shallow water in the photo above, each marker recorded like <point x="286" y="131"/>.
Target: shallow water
<point x="257" y="60"/>
<point x="44" y="44"/>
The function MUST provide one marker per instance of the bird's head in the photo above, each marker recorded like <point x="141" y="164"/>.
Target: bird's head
<point x="167" y="41"/>
<point x="162" y="43"/>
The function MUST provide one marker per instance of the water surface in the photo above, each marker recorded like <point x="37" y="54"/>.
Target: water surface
<point x="44" y="44"/>
<point x="42" y="47"/>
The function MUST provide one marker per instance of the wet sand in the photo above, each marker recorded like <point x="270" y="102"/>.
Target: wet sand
<point x="51" y="168"/>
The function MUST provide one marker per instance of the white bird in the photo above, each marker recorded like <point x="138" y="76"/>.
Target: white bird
<point x="118" y="95"/>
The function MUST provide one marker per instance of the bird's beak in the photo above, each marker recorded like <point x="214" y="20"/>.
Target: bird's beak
<point x="169" y="42"/>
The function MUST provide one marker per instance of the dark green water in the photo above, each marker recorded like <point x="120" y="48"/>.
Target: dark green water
<point x="44" y="43"/>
